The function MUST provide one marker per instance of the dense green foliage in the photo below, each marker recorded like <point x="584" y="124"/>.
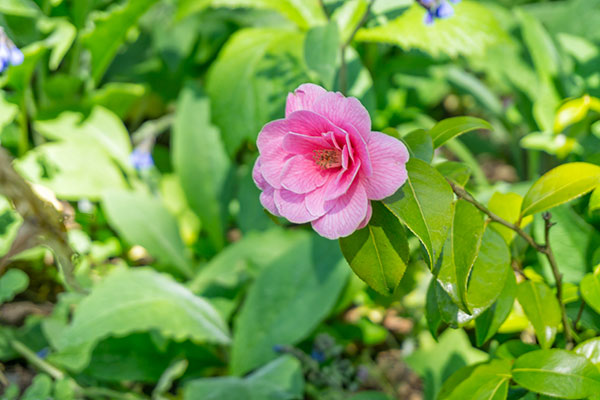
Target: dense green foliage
<point x="164" y="277"/>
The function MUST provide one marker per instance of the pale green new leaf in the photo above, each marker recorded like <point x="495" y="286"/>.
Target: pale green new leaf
<point x="590" y="349"/>
<point x="424" y="205"/>
<point x="135" y="300"/>
<point x="542" y="309"/>
<point x="200" y="160"/>
<point x="557" y="373"/>
<point x="507" y="206"/>
<point x="378" y="253"/>
<point x="470" y="31"/>
<point x="13" y="282"/>
<point x="144" y="220"/>
<point x="452" y="127"/>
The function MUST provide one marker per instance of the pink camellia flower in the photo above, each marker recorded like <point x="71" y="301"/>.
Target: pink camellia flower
<point x="322" y="164"/>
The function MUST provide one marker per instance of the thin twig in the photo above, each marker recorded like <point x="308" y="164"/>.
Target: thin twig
<point x="579" y="313"/>
<point x="37" y="361"/>
<point x="545" y="249"/>
<point x="557" y="277"/>
<point x="343" y="67"/>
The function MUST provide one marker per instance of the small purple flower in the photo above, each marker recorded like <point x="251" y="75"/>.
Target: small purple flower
<point x="141" y="159"/>
<point x="9" y="53"/>
<point x="437" y="9"/>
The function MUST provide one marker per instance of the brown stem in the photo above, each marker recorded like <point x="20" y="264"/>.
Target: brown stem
<point x="545" y="249"/>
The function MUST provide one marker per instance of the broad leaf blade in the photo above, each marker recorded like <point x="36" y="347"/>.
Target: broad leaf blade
<point x="419" y="144"/>
<point x="378" y="253"/>
<point x="542" y="309"/>
<point x="452" y="127"/>
<point x="488" y="323"/>
<point x="557" y="373"/>
<point x="321" y="52"/>
<point x="486" y="382"/>
<point x="559" y="185"/>
<point x="13" y="282"/>
<point x="424" y="205"/>
<point x="590" y="289"/>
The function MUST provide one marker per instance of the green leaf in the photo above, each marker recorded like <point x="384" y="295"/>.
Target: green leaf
<point x="452" y="127"/>
<point x="595" y="200"/>
<point x="507" y="206"/>
<point x="248" y="79"/>
<point x="21" y="8"/>
<point x="321" y="50"/>
<point x="450" y="312"/>
<point x="60" y="40"/>
<point x="108" y="33"/>
<point x="571" y="112"/>
<point x="200" y="161"/>
<point x="10" y="221"/>
<point x="420" y="145"/>
<point x="40" y="388"/>
<point x="513" y="349"/>
<point x="543" y="52"/>
<point x="590" y="289"/>
<point x="102" y="127"/>
<point x="460" y="251"/>
<point x="488" y="323"/>
<point x="348" y="16"/>
<point x="424" y="205"/>
<point x="432" y="311"/>
<point x="281" y="379"/>
<point x="287" y="301"/>
<point x="559" y="185"/>
<point x="134" y="300"/>
<point x="557" y="373"/>
<point x="457" y="172"/>
<point x="486" y="382"/>
<point x="129" y="213"/>
<point x="470" y="31"/>
<point x="590" y="349"/>
<point x="13" y="282"/>
<point x="118" y="97"/>
<point x="304" y="13"/>
<point x="378" y="253"/>
<point x="542" y="309"/>
<point x="72" y="170"/>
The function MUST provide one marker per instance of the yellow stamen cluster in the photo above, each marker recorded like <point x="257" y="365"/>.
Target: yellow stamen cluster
<point x="329" y="158"/>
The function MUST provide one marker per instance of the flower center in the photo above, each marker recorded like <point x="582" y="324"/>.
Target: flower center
<point x="330" y="158"/>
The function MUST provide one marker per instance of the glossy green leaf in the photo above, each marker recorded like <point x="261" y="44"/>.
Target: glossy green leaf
<point x="419" y="144"/>
<point x="486" y="382"/>
<point x="488" y="323"/>
<point x="595" y="200"/>
<point x="542" y="309"/>
<point x="128" y="213"/>
<point x="571" y="112"/>
<point x="378" y="253"/>
<point x="109" y="31"/>
<point x="450" y="312"/>
<point x="508" y="207"/>
<point x="460" y="251"/>
<point x="590" y="289"/>
<point x="321" y="52"/>
<point x="590" y="349"/>
<point x="13" y="282"/>
<point x="424" y="205"/>
<point x="470" y="31"/>
<point x="452" y="127"/>
<point x="457" y="172"/>
<point x="513" y="349"/>
<point x="557" y="373"/>
<point x="287" y="301"/>
<point x="559" y="185"/>
<point x="304" y="13"/>
<point x="134" y="300"/>
<point x="432" y="311"/>
<point x="246" y="77"/>
<point x="200" y="161"/>
<point x="72" y="169"/>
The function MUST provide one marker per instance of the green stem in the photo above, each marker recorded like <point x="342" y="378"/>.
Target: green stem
<point x="36" y="361"/>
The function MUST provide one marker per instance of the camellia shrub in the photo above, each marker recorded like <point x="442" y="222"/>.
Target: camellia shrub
<point x="316" y="199"/>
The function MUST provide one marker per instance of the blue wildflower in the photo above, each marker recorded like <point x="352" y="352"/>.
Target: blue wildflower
<point x="437" y="9"/>
<point x="141" y="159"/>
<point x="9" y="53"/>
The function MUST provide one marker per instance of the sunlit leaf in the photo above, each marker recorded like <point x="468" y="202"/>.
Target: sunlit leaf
<point x="542" y="309"/>
<point x="452" y="127"/>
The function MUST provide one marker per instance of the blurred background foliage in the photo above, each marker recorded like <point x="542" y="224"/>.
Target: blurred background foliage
<point x="137" y="120"/>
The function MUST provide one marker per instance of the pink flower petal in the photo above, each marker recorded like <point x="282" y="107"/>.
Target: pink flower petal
<point x="344" y="111"/>
<point x="271" y="136"/>
<point x="291" y="206"/>
<point x="303" y="98"/>
<point x="296" y="143"/>
<point x="349" y="211"/>
<point x="315" y="201"/>
<point x="309" y="123"/>
<point x="367" y="218"/>
<point x="357" y="148"/>
<point x="268" y="201"/>
<point x="389" y="157"/>
<point x="300" y="174"/>
<point x="259" y="180"/>
<point x="341" y="184"/>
